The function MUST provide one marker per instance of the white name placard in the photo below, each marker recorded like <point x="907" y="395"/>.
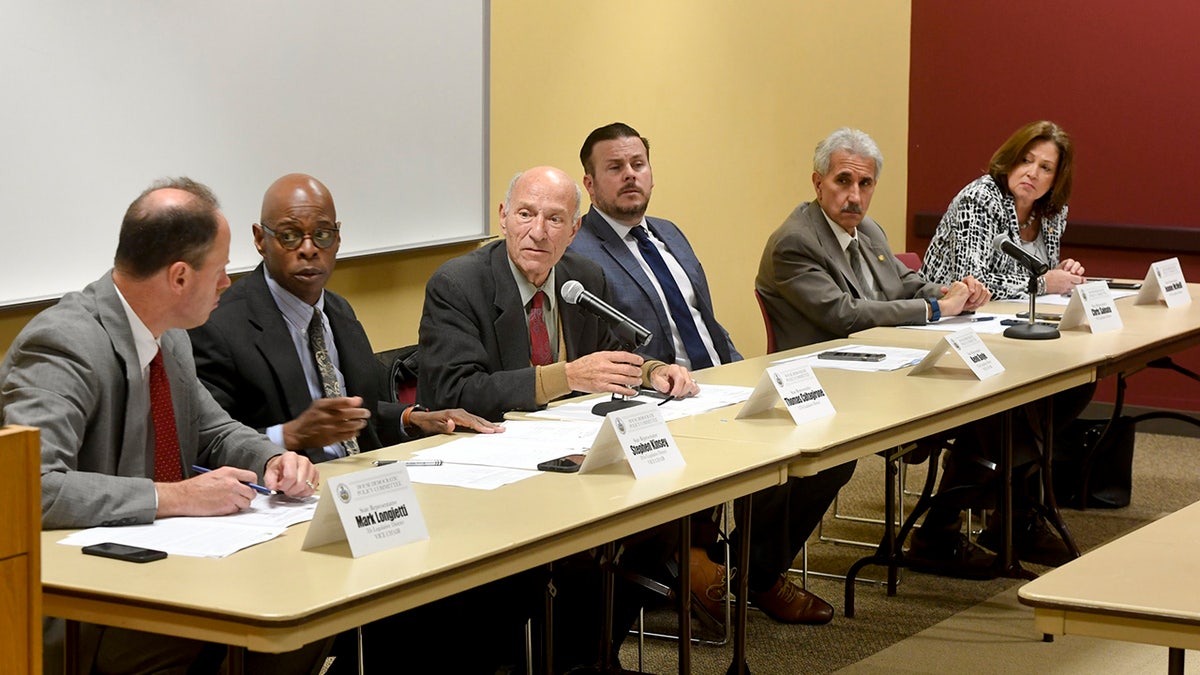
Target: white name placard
<point x="1091" y="305"/>
<point x="373" y="510"/>
<point x="1164" y="279"/>
<point x="797" y="386"/>
<point x="970" y="348"/>
<point x="638" y="435"/>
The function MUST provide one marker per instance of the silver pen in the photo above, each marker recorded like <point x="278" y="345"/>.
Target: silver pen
<point x="409" y="462"/>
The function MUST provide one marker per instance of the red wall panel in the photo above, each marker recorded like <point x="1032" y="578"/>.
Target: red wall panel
<point x="1122" y="78"/>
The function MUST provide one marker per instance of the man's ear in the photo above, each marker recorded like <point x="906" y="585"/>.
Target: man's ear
<point x="260" y="236"/>
<point x="178" y="274"/>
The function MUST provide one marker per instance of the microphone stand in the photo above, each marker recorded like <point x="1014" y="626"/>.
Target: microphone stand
<point x="1032" y="330"/>
<point x="619" y="402"/>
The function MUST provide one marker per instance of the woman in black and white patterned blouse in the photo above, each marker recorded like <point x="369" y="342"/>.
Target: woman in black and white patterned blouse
<point x="1024" y="195"/>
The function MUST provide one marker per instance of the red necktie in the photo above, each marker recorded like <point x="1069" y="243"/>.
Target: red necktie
<point x="167" y="465"/>
<point x="539" y="337"/>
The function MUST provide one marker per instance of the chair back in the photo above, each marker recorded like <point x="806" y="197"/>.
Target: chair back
<point x="771" y="348"/>
<point x="910" y="259"/>
<point x="401" y="365"/>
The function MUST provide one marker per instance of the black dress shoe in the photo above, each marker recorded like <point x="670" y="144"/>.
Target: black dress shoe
<point x="949" y="554"/>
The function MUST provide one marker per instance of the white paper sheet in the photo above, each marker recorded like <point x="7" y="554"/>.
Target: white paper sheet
<point x="194" y="537"/>
<point x="207" y="537"/>
<point x="1062" y="300"/>
<point x="468" y="475"/>
<point x="982" y="323"/>
<point x="523" y="445"/>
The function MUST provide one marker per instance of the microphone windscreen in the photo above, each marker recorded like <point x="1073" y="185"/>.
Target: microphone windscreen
<point x="998" y="242"/>
<point x="571" y="291"/>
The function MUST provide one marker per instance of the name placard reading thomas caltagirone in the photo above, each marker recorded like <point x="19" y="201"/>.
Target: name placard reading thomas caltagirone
<point x="797" y="386"/>
<point x="373" y="510"/>
<point x="638" y="435"/>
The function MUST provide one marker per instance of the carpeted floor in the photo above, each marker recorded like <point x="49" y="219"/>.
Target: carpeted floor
<point x="1166" y="478"/>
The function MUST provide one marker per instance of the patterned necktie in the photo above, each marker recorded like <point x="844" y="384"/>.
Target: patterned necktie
<point x="167" y="465"/>
<point x="539" y="336"/>
<point x="681" y="314"/>
<point x="329" y="381"/>
<point x="862" y="271"/>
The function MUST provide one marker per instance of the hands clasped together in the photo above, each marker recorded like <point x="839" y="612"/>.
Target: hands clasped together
<point x="621" y="373"/>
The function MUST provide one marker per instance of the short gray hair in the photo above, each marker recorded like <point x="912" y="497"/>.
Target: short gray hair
<point x="517" y="176"/>
<point x="853" y="141"/>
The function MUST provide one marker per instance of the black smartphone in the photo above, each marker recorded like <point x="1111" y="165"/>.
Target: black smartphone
<point x="1117" y="285"/>
<point x="851" y="356"/>
<point x="1022" y="322"/>
<point x="123" y="552"/>
<point x="568" y="464"/>
<point x="1040" y="316"/>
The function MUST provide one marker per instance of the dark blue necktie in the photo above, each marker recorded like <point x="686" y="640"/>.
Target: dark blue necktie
<point x="680" y="312"/>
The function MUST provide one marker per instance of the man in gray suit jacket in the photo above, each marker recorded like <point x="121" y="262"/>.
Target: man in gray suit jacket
<point x="81" y="371"/>
<point x="828" y="270"/>
<point x="806" y="279"/>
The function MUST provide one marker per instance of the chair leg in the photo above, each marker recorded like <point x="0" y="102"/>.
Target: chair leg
<point x="726" y="632"/>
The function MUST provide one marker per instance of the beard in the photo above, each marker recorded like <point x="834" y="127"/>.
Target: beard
<point x="636" y="211"/>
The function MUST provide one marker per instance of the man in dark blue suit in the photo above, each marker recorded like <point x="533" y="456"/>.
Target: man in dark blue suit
<point x="656" y="279"/>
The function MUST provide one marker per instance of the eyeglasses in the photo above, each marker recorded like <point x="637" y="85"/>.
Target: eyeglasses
<point x="322" y="237"/>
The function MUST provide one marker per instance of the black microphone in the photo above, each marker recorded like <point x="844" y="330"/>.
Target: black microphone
<point x="628" y="331"/>
<point x="1006" y="246"/>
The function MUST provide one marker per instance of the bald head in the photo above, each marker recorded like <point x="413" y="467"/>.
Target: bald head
<point x="299" y="205"/>
<point x="547" y="175"/>
<point x="175" y="219"/>
<point x="539" y="217"/>
<point x="292" y="189"/>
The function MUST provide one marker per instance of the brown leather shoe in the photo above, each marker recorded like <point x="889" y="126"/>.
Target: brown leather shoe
<point x="708" y="586"/>
<point x="788" y="603"/>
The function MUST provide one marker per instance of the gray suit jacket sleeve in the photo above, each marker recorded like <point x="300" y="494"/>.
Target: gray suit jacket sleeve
<point x="73" y="373"/>
<point x="811" y="294"/>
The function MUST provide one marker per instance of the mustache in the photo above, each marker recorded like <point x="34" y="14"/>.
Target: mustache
<point x="852" y="208"/>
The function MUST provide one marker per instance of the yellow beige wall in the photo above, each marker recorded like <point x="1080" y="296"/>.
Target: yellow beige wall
<point x="732" y="95"/>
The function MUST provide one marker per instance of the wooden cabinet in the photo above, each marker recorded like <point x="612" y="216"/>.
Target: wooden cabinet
<point x="20" y="564"/>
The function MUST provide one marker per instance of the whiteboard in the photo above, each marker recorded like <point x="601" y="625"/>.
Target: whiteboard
<point x="384" y="101"/>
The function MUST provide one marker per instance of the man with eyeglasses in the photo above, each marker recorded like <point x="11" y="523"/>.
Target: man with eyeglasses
<point x="285" y="356"/>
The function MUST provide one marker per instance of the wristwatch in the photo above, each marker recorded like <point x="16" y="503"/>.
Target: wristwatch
<point x="404" y="417"/>
<point x="935" y="310"/>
